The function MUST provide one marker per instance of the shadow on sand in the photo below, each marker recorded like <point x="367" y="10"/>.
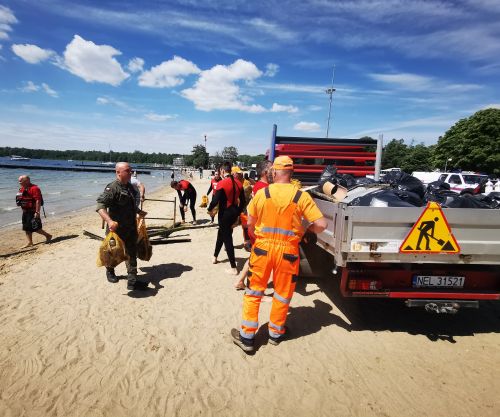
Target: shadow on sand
<point x="392" y="315"/>
<point x="156" y="274"/>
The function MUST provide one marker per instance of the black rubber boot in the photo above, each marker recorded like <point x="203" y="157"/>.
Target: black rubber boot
<point x="134" y="284"/>
<point x="131" y="280"/>
<point x="110" y="275"/>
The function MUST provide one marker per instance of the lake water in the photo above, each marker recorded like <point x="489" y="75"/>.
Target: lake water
<point x="63" y="191"/>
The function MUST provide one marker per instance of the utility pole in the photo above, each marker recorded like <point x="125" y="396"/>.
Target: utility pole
<point x="330" y="92"/>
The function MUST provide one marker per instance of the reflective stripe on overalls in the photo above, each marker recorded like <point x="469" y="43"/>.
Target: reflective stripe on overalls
<point x="277" y="252"/>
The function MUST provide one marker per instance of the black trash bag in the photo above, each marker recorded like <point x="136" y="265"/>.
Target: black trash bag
<point x="330" y="175"/>
<point x="346" y="180"/>
<point x="495" y="195"/>
<point x="437" y="185"/>
<point x="439" y="192"/>
<point x="381" y="198"/>
<point x="491" y="202"/>
<point x="404" y="182"/>
<point x="413" y="198"/>
<point x="467" y="201"/>
<point x="364" y="181"/>
<point x="442" y="197"/>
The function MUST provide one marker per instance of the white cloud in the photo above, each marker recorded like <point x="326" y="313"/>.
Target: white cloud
<point x="272" y="29"/>
<point x="491" y="106"/>
<point x="314" y="107"/>
<point x="168" y="73"/>
<point x="271" y="70"/>
<point x="31" y="87"/>
<point x="32" y="54"/>
<point x="411" y="82"/>
<point x="217" y="88"/>
<point x="136" y="65"/>
<point x="295" y="88"/>
<point x="49" y="90"/>
<point x="419" y="83"/>
<point x="159" y="117"/>
<point x="307" y="126"/>
<point x="93" y="63"/>
<point x="281" y="108"/>
<point x="104" y="101"/>
<point x="7" y="19"/>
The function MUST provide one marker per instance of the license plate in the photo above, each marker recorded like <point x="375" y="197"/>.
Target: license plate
<point x="437" y="281"/>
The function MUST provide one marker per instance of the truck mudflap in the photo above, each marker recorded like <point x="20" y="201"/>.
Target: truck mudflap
<point x="442" y="306"/>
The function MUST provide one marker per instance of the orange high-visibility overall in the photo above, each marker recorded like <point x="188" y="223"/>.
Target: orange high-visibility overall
<point x="277" y="251"/>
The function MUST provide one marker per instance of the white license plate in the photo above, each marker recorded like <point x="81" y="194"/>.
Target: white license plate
<point x="437" y="281"/>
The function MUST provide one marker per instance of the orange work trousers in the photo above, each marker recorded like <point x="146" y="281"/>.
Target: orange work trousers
<point x="282" y="259"/>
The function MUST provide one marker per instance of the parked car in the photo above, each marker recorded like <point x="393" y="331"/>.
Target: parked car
<point x="464" y="181"/>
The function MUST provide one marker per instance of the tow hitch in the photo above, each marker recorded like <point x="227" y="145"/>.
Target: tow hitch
<point x="443" y="307"/>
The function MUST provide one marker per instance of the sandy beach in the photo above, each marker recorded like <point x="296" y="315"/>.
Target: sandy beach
<point x="74" y="345"/>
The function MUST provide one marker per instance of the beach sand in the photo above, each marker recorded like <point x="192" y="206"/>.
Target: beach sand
<point x="73" y="344"/>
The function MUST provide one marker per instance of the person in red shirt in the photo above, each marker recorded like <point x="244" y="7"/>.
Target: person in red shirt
<point x="264" y="172"/>
<point x="231" y="200"/>
<point x="29" y="198"/>
<point x="213" y="188"/>
<point x="189" y="194"/>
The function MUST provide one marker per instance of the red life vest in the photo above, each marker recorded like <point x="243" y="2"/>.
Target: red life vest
<point x="26" y="197"/>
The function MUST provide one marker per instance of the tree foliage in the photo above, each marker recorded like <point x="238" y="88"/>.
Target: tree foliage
<point x="230" y="153"/>
<point x="394" y="154"/>
<point x="199" y="156"/>
<point x="76" y="155"/>
<point x="472" y="143"/>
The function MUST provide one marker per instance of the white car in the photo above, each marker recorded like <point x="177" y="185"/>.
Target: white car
<point x="463" y="181"/>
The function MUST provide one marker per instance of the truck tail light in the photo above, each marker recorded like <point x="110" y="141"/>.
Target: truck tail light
<point x="364" y="284"/>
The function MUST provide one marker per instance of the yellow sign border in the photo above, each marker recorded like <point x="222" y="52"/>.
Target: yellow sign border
<point x="431" y="206"/>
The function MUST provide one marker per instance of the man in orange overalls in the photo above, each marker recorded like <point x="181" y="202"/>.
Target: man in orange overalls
<point x="275" y="218"/>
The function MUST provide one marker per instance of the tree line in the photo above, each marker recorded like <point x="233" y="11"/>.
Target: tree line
<point x="473" y="144"/>
<point x="199" y="157"/>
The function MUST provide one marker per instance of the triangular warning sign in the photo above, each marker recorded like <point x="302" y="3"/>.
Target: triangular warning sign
<point x="430" y="234"/>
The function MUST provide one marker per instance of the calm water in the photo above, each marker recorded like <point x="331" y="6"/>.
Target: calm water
<point x="63" y="191"/>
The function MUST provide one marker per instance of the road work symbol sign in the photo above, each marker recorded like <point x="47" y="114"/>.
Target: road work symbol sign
<point x="430" y="234"/>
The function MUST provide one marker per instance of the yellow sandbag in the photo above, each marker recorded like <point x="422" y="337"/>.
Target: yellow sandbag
<point x="144" y="248"/>
<point x="204" y="201"/>
<point x="112" y="251"/>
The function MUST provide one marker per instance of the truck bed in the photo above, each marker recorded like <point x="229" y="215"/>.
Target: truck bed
<point x="375" y="234"/>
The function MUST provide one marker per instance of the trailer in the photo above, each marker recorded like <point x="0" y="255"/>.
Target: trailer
<point x="369" y="256"/>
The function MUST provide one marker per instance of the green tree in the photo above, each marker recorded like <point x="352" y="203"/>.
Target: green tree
<point x="217" y="159"/>
<point x="394" y="154"/>
<point x="472" y="143"/>
<point x="200" y="156"/>
<point x="418" y="158"/>
<point x="230" y="153"/>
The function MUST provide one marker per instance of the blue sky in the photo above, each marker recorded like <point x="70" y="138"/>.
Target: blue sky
<point x="157" y="76"/>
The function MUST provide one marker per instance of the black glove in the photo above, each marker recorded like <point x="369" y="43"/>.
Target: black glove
<point x="309" y="238"/>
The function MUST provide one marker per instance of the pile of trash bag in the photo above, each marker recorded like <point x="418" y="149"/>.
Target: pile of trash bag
<point x="404" y="190"/>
